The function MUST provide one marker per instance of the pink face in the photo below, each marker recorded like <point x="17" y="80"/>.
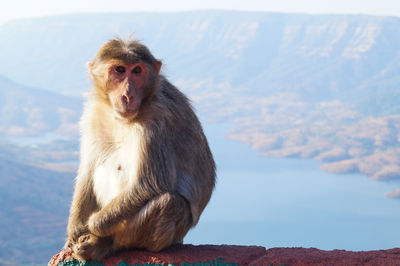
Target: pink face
<point x="126" y="87"/>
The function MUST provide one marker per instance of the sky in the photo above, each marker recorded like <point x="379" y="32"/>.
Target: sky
<point x="11" y="9"/>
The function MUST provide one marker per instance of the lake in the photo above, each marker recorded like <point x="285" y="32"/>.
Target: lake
<point x="278" y="202"/>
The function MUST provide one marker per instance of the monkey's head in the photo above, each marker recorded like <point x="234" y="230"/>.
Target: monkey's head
<point x="126" y="75"/>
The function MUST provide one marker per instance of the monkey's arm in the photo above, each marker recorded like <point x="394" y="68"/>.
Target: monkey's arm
<point x="127" y="204"/>
<point x="82" y="206"/>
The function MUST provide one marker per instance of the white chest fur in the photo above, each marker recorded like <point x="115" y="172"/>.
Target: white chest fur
<point x="119" y="170"/>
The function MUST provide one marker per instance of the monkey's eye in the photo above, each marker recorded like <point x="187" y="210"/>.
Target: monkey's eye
<point x="120" y="69"/>
<point x="137" y="70"/>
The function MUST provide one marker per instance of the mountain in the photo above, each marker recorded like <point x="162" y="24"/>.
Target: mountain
<point x="34" y="210"/>
<point x="320" y="57"/>
<point x="27" y="111"/>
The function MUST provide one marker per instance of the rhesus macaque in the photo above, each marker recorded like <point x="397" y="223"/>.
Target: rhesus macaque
<point x="146" y="172"/>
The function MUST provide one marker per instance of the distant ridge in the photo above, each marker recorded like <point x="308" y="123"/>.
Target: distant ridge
<point x="29" y="111"/>
<point x="317" y="55"/>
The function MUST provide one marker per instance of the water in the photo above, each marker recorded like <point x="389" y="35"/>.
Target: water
<point x="34" y="141"/>
<point x="290" y="202"/>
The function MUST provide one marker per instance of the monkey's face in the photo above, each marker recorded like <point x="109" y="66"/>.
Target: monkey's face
<point x="127" y="85"/>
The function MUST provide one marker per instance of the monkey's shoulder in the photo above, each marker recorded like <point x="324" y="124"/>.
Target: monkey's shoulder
<point x="177" y="106"/>
<point x="172" y="93"/>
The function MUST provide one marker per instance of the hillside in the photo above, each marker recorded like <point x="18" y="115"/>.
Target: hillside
<point x="33" y="212"/>
<point x="27" y="111"/>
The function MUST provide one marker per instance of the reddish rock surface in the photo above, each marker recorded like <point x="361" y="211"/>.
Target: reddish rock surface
<point x="240" y="255"/>
<point x="313" y="256"/>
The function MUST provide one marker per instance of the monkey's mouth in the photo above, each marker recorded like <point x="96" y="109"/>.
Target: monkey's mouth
<point x="126" y="113"/>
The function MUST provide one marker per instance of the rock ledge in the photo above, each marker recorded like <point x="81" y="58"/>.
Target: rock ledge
<point x="224" y="255"/>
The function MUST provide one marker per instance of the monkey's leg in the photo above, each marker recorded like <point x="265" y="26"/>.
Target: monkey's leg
<point x="163" y="221"/>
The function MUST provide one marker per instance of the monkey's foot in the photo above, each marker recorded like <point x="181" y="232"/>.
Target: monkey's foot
<point x="68" y="244"/>
<point x="91" y="247"/>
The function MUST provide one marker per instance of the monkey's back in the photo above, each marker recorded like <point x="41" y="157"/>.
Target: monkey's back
<point x="182" y="146"/>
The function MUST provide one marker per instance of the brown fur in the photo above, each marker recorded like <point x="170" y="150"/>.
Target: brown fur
<point x="145" y="177"/>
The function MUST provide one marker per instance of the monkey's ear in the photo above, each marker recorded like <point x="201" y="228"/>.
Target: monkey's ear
<point x="89" y="65"/>
<point x="90" y="69"/>
<point x="158" y="66"/>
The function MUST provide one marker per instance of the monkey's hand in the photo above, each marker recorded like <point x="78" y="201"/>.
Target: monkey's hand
<point x="102" y="227"/>
<point x="99" y="225"/>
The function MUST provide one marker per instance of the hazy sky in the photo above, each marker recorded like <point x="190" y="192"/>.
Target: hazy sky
<point x="27" y="8"/>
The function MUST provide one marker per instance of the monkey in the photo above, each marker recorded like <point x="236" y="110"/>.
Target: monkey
<point x="146" y="171"/>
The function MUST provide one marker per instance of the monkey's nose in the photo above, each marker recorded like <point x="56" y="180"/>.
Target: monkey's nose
<point x="126" y="100"/>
